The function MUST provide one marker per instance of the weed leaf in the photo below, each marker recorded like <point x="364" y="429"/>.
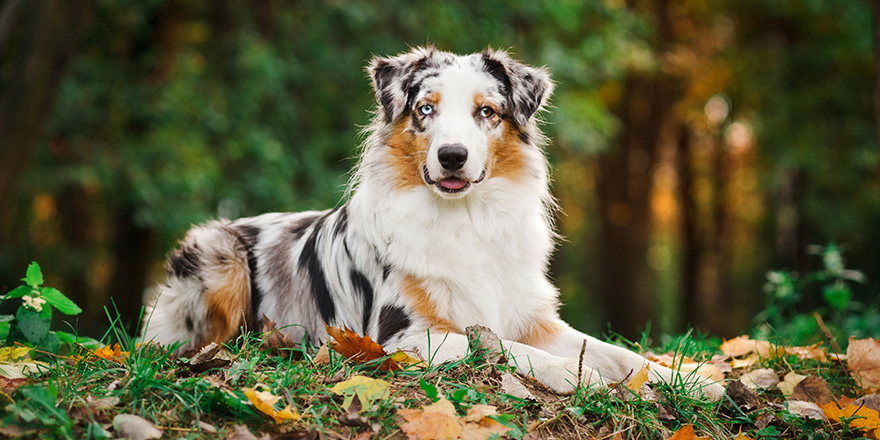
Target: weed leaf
<point x="430" y="390"/>
<point x="33" y="277"/>
<point x="18" y="292"/>
<point x="34" y="325"/>
<point x="60" y="301"/>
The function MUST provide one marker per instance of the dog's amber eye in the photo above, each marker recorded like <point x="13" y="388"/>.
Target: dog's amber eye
<point x="426" y="109"/>
<point x="487" y="112"/>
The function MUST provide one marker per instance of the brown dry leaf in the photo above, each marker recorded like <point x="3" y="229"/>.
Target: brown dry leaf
<point x="434" y="422"/>
<point x="741" y="346"/>
<point x="322" y="357"/>
<point x="206" y="359"/>
<point x="275" y="339"/>
<point x="813" y="389"/>
<point x="686" y="432"/>
<point x="788" y="383"/>
<point x="868" y="419"/>
<point x="761" y="378"/>
<point x="361" y="349"/>
<point x="135" y="427"/>
<point x="511" y="385"/>
<point x="803" y="409"/>
<point x="863" y="361"/>
<point x="741" y="394"/>
<point x="811" y="352"/>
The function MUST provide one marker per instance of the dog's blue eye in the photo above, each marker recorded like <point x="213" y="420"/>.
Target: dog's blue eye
<point x="426" y="109"/>
<point x="487" y="112"/>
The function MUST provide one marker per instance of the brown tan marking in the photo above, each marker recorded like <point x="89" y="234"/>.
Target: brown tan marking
<point x="227" y="301"/>
<point x="506" y="158"/>
<point x="406" y="152"/>
<point x="542" y="331"/>
<point x="422" y="305"/>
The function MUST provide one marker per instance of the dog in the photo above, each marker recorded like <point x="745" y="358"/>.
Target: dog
<point x="448" y="222"/>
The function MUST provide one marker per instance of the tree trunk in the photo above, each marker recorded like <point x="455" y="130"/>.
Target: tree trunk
<point x="38" y="39"/>
<point x="624" y="187"/>
<point x="133" y="251"/>
<point x="691" y="245"/>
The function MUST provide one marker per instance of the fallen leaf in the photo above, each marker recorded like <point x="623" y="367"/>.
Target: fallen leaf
<point x="135" y="428"/>
<point x="685" y="365"/>
<point x="207" y="359"/>
<point x="12" y="354"/>
<point x="686" y="432"/>
<point x="741" y="394"/>
<point x="265" y="402"/>
<point x="812" y="389"/>
<point x="9" y="385"/>
<point x="804" y="409"/>
<point x="635" y="384"/>
<point x="435" y="422"/>
<point x="871" y="401"/>
<point x="275" y="339"/>
<point x="742" y="436"/>
<point x="865" y="418"/>
<point x="365" y="388"/>
<point x="811" y="352"/>
<point x="511" y="385"/>
<point x="322" y="357"/>
<point x="788" y="383"/>
<point x="863" y="361"/>
<point x="361" y="349"/>
<point x="240" y="432"/>
<point x="761" y="378"/>
<point x="743" y="345"/>
<point x="483" y="342"/>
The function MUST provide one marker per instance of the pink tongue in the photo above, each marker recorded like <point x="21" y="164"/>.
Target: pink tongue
<point x="452" y="183"/>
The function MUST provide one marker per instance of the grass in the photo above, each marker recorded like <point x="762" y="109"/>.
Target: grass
<point x="79" y="398"/>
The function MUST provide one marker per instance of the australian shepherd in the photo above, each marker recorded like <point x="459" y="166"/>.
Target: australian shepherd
<point x="448" y="223"/>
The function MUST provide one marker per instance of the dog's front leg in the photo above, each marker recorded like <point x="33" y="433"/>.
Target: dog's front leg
<point x="560" y="374"/>
<point x="616" y="364"/>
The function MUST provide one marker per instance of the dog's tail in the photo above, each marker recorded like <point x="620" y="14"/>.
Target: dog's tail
<point x="207" y="295"/>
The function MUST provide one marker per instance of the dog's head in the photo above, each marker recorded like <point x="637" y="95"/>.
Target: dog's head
<point x="454" y="121"/>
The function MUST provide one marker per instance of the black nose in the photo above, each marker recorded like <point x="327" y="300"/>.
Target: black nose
<point x="452" y="156"/>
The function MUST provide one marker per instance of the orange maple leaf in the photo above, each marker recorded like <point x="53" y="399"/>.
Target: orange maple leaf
<point x="865" y="418"/>
<point x="361" y="349"/>
<point x="111" y="353"/>
<point x="686" y="432"/>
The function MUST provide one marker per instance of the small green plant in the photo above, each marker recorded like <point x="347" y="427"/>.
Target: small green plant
<point x="830" y="288"/>
<point x="31" y="322"/>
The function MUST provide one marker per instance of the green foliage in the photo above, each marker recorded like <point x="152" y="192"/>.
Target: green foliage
<point x="33" y="318"/>
<point x="795" y="302"/>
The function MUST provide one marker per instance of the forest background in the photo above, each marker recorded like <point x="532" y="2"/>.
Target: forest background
<point x="698" y="146"/>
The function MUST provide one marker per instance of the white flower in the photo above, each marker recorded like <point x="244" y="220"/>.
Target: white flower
<point x="35" y="303"/>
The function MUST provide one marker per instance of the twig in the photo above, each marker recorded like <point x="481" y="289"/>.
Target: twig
<point x="44" y="352"/>
<point x="830" y="337"/>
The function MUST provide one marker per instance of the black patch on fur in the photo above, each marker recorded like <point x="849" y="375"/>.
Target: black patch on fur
<point x="341" y="221"/>
<point x="185" y="262"/>
<point x="496" y="69"/>
<point x="189" y="324"/>
<point x="362" y="285"/>
<point x="383" y="76"/>
<point x="386" y="270"/>
<point x="311" y="262"/>
<point x="247" y="236"/>
<point x="392" y="320"/>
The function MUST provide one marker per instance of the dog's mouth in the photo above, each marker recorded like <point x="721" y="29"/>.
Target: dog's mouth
<point x="451" y="184"/>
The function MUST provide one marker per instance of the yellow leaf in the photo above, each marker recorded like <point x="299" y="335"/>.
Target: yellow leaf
<point x="639" y="379"/>
<point x="402" y="358"/>
<point x="365" y="388"/>
<point x="789" y="382"/>
<point x="8" y="354"/>
<point x="265" y="402"/>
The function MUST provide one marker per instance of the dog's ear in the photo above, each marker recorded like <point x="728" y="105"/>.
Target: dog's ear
<point x="391" y="79"/>
<point x="527" y="88"/>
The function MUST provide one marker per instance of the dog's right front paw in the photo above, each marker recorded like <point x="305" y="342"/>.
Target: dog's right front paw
<point x="564" y="378"/>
